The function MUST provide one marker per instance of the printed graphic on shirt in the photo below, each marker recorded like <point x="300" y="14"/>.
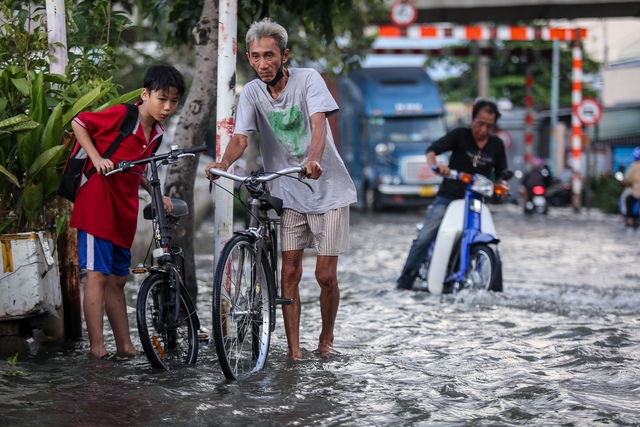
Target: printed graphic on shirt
<point x="288" y="127"/>
<point x="479" y="159"/>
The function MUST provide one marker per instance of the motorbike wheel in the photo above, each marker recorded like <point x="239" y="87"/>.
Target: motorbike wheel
<point x="483" y="269"/>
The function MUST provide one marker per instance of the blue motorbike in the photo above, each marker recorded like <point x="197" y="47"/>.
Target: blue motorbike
<point x="465" y="253"/>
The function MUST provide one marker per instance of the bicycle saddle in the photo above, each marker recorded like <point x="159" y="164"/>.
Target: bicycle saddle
<point x="180" y="209"/>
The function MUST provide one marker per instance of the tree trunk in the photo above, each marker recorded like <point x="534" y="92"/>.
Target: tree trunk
<point x="197" y="114"/>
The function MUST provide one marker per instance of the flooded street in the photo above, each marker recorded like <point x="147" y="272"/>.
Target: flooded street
<point x="560" y="346"/>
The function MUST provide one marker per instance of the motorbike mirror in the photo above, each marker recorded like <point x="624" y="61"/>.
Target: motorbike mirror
<point x="507" y="175"/>
<point x="619" y="176"/>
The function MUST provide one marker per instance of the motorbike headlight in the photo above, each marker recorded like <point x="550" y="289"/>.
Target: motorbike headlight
<point x="482" y="185"/>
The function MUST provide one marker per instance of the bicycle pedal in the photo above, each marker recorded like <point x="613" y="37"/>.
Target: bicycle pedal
<point x="283" y="301"/>
<point x="203" y="338"/>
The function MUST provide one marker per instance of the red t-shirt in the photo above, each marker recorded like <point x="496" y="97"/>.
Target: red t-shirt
<point x="107" y="207"/>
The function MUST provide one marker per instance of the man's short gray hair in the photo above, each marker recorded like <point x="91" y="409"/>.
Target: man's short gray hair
<point x="267" y="27"/>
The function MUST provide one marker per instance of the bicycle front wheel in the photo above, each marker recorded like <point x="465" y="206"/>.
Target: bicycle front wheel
<point x="242" y="309"/>
<point x="168" y="340"/>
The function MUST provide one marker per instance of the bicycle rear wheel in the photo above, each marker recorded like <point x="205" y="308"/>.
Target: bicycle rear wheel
<point x="242" y="309"/>
<point x="168" y="341"/>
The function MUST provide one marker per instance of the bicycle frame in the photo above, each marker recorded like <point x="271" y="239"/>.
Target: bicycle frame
<point x="167" y="261"/>
<point x="263" y="228"/>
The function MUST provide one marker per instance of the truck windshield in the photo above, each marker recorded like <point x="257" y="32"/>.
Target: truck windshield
<point x="406" y="129"/>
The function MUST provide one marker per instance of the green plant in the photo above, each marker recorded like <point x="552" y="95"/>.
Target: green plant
<point x="36" y="107"/>
<point x="12" y="361"/>
<point x="606" y="190"/>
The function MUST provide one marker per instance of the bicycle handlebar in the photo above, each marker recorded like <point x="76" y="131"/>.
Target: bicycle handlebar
<point x="175" y="153"/>
<point x="255" y="178"/>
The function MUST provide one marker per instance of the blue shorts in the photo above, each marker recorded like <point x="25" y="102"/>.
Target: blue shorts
<point x="96" y="254"/>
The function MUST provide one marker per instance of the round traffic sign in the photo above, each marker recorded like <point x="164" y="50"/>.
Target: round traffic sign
<point x="403" y="13"/>
<point x="505" y="137"/>
<point x="589" y="111"/>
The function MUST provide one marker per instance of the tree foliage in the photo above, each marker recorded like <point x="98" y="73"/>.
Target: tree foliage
<point x="329" y="33"/>
<point x="508" y="74"/>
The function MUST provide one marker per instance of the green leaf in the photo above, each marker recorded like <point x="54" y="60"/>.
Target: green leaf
<point x="28" y="146"/>
<point x="32" y="201"/>
<point x="127" y="97"/>
<point x="38" y="110"/>
<point x="11" y="177"/>
<point x="18" y="124"/>
<point x="56" y="78"/>
<point x="22" y="85"/>
<point x="81" y="104"/>
<point x="49" y="158"/>
<point x="53" y="131"/>
<point x="51" y="179"/>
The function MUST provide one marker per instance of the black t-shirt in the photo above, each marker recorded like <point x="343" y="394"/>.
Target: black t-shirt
<point x="490" y="161"/>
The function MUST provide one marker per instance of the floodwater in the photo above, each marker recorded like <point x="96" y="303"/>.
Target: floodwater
<point x="559" y="347"/>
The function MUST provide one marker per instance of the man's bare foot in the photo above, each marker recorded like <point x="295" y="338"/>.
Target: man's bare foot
<point x="295" y="354"/>
<point x="326" y="350"/>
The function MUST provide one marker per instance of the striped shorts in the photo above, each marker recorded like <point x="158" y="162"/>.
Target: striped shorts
<point x="327" y="232"/>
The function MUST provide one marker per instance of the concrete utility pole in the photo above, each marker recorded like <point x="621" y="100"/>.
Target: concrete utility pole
<point x="67" y="242"/>
<point x="555" y="95"/>
<point x="57" y="31"/>
<point x="226" y="101"/>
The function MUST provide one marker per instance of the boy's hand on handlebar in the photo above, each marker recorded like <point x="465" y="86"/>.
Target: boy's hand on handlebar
<point x="168" y="204"/>
<point x="314" y="170"/>
<point x="103" y="165"/>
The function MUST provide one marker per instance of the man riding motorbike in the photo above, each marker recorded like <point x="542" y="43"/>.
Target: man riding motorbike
<point x="473" y="150"/>
<point x="538" y="176"/>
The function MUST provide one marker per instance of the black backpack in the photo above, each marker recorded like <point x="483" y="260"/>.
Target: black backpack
<point x="75" y="175"/>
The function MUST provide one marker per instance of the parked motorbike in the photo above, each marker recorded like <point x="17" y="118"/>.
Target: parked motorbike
<point x="559" y="194"/>
<point x="465" y="251"/>
<point x="536" y="200"/>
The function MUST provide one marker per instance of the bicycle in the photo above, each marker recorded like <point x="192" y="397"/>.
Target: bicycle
<point x="166" y="316"/>
<point x="244" y="296"/>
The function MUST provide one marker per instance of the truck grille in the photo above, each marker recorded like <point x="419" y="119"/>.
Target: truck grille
<point x="416" y="171"/>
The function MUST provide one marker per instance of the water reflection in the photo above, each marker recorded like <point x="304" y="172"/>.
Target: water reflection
<point x="560" y="346"/>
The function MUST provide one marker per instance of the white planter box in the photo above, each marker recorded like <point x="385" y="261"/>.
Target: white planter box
<point x="29" y="277"/>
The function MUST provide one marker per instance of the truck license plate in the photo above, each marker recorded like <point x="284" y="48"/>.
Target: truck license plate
<point x="427" y="191"/>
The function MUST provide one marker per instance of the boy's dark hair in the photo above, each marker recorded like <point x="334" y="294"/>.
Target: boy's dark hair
<point x="489" y="106"/>
<point x="162" y="77"/>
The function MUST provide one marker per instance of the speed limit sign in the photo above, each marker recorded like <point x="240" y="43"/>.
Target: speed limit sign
<point x="589" y="111"/>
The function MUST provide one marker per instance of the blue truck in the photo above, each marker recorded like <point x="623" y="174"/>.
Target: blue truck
<point x="388" y="117"/>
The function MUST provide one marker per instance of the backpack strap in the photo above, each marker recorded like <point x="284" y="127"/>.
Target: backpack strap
<point x="126" y="129"/>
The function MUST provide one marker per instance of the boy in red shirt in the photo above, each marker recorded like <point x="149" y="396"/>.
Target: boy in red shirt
<point x="106" y="208"/>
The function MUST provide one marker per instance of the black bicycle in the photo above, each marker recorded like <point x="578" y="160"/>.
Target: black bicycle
<point x="246" y="283"/>
<point x="166" y="316"/>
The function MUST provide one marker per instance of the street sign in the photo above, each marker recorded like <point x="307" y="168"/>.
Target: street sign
<point x="505" y="137"/>
<point x="403" y="13"/>
<point x="589" y="111"/>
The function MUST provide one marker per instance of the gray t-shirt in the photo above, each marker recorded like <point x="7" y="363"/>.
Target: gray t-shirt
<point x="284" y="125"/>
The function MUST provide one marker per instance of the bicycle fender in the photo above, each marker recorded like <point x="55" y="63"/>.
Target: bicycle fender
<point x="246" y="233"/>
